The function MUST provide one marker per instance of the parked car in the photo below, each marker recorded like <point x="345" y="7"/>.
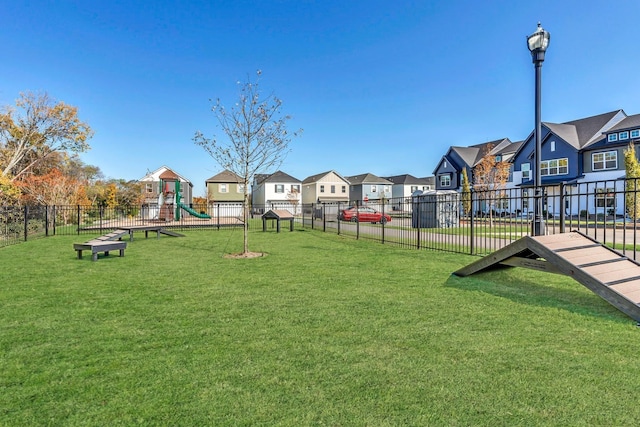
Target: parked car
<point x="363" y="214"/>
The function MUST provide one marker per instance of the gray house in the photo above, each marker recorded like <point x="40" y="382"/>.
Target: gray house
<point x="368" y="186"/>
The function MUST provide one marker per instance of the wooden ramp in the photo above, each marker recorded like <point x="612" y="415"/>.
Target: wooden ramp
<point x="603" y="270"/>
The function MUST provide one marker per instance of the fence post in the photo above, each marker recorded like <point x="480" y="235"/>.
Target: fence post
<point x="53" y="215"/>
<point x="472" y="215"/>
<point x="46" y="220"/>
<point x="416" y="205"/>
<point x="26" y="222"/>
<point x="338" y="218"/>
<point x="562" y="209"/>
<point x="357" y="219"/>
<point x="100" y="215"/>
<point x="324" y="218"/>
<point x="78" y="218"/>
<point x="383" y="222"/>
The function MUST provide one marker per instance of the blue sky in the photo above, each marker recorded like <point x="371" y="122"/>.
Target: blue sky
<point x="378" y="86"/>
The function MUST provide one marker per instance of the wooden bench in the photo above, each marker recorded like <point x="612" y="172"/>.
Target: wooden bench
<point x="96" y="246"/>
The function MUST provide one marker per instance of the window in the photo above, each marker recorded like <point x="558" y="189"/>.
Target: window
<point x="444" y="164"/>
<point x="387" y="189"/>
<point x="635" y="133"/>
<point x="604" y="161"/>
<point x="605" y="197"/>
<point x="149" y="187"/>
<point x="222" y="188"/>
<point x="525" y="199"/>
<point x="623" y="135"/>
<point x="552" y="146"/>
<point x="344" y="189"/>
<point x="445" y="180"/>
<point x="295" y="188"/>
<point x="240" y="188"/>
<point x="414" y="188"/>
<point x="526" y="171"/>
<point x="554" y="167"/>
<point x="322" y="188"/>
<point x="333" y="189"/>
<point x="279" y="188"/>
<point x="612" y="137"/>
<point x="374" y="188"/>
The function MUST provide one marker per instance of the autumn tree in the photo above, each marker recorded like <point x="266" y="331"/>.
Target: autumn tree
<point x="490" y="176"/>
<point x="53" y="189"/>
<point x="466" y="192"/>
<point x="632" y="186"/>
<point x="9" y="192"/>
<point x="257" y="139"/>
<point x="34" y="129"/>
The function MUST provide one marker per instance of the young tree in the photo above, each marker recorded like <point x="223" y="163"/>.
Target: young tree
<point x="257" y="139"/>
<point x="632" y="186"/>
<point x="36" y="128"/>
<point x="466" y="192"/>
<point x="490" y="177"/>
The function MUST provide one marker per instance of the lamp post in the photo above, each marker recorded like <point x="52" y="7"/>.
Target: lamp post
<point x="538" y="43"/>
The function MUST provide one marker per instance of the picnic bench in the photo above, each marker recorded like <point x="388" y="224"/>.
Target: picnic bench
<point x="97" y="246"/>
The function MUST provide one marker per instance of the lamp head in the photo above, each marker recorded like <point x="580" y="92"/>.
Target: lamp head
<point x="539" y="40"/>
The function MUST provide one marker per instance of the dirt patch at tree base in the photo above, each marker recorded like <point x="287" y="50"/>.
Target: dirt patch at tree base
<point x="246" y="255"/>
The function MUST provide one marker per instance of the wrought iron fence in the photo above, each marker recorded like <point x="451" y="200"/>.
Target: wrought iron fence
<point x="477" y="223"/>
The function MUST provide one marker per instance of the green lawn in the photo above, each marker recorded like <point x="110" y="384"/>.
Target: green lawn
<point x="324" y="330"/>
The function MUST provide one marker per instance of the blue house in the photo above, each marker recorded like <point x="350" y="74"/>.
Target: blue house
<point x="448" y="172"/>
<point x="567" y="156"/>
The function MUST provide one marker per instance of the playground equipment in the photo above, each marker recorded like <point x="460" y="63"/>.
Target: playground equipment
<point x="169" y="201"/>
<point x="604" y="271"/>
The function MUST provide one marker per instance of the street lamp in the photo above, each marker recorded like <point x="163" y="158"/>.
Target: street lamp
<point x="538" y="42"/>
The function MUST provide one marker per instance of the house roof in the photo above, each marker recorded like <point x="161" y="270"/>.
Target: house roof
<point x="627" y="123"/>
<point x="582" y="132"/>
<point x="225" y="176"/>
<point x="473" y="154"/>
<point x="408" y="179"/>
<point x="277" y="176"/>
<point x="171" y="174"/>
<point x="315" y="178"/>
<point x="367" y="178"/>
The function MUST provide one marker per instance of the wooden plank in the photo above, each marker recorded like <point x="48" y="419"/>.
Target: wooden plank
<point x="582" y="256"/>
<point x="533" y="264"/>
<point x="623" y="288"/>
<point x="607" y="274"/>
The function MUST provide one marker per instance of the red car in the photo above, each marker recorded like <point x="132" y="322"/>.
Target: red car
<point x="363" y="214"/>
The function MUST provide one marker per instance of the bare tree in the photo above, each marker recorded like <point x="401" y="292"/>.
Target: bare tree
<point x="257" y="139"/>
<point x="36" y="128"/>
<point x="490" y="176"/>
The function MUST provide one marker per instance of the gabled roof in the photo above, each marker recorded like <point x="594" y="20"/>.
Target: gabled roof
<point x="225" y="176"/>
<point x="167" y="173"/>
<point x="367" y="178"/>
<point x="277" y="176"/>
<point x="473" y="154"/>
<point x="627" y="123"/>
<point x="407" y="179"/>
<point x="316" y="178"/>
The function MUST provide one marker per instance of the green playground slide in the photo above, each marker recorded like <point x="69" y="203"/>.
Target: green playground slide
<point x="193" y="212"/>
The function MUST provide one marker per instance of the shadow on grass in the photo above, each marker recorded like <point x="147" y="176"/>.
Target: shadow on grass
<point x="544" y="290"/>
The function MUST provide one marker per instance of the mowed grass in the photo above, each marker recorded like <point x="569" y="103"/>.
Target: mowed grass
<point x="324" y="330"/>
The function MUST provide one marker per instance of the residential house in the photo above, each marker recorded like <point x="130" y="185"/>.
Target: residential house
<point x="225" y="187"/>
<point x="448" y="172"/>
<point x="403" y="186"/>
<point x="573" y="153"/>
<point x="159" y="183"/>
<point x="276" y="191"/>
<point x="325" y="187"/>
<point x="367" y="186"/>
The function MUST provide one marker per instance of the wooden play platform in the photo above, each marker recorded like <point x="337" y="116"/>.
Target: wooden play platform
<point x="604" y="271"/>
<point x="112" y="241"/>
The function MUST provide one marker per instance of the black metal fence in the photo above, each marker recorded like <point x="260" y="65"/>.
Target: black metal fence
<point x="478" y="223"/>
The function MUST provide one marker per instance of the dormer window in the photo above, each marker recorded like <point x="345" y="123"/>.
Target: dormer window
<point x="613" y="137"/>
<point x="635" y="133"/>
<point x="623" y="135"/>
